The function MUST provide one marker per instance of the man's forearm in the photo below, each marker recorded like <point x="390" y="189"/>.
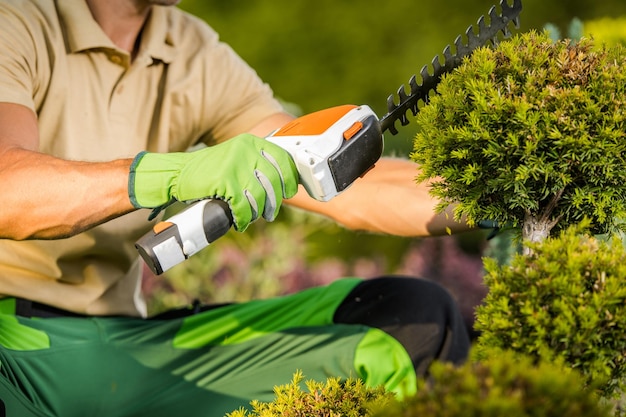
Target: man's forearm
<point x="386" y="200"/>
<point x="46" y="198"/>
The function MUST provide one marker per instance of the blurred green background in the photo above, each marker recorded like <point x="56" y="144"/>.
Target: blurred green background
<point x="321" y="54"/>
<point x="328" y="52"/>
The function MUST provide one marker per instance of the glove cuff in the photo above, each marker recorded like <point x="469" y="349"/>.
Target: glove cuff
<point x="151" y="177"/>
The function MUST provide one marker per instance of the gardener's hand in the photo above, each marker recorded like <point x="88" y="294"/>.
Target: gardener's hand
<point x="250" y="173"/>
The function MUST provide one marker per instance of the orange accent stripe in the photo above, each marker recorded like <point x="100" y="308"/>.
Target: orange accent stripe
<point x="161" y="226"/>
<point x="314" y="123"/>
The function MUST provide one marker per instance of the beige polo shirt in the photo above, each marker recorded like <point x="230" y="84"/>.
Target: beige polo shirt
<point x="94" y="104"/>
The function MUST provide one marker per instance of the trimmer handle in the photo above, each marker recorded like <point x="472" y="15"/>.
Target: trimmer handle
<point x="172" y="241"/>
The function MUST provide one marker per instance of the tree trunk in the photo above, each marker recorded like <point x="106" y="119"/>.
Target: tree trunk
<point x="534" y="229"/>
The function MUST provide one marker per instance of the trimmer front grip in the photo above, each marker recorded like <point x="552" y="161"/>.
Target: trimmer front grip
<point x="172" y="241"/>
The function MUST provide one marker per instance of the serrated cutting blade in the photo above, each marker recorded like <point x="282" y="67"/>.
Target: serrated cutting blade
<point x="487" y="32"/>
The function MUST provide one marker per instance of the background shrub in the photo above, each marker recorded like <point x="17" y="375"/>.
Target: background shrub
<point x="508" y="384"/>
<point x="610" y="30"/>
<point x="565" y="302"/>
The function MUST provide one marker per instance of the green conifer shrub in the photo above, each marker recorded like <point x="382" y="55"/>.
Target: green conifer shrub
<point x="530" y="133"/>
<point x="566" y="302"/>
<point x="508" y="384"/>
<point x="332" y="398"/>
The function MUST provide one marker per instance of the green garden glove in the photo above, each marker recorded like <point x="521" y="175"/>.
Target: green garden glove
<point x="251" y="174"/>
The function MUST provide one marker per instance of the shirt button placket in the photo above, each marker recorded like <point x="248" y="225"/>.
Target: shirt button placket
<point x="119" y="103"/>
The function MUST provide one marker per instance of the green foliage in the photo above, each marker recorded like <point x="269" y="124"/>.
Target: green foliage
<point x="566" y="302"/>
<point x="530" y="130"/>
<point x="503" y="385"/>
<point x="607" y="30"/>
<point x="331" y="52"/>
<point x="334" y="398"/>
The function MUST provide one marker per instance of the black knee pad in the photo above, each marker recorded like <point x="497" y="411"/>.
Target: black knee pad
<point x="419" y="313"/>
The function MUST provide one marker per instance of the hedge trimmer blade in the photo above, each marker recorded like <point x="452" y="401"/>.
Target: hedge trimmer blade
<point x="487" y="32"/>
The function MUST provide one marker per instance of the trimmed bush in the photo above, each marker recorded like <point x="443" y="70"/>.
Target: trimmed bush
<point x="530" y="133"/>
<point x="334" y="398"/>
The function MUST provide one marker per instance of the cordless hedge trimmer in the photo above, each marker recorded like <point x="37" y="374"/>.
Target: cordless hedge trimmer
<point x="331" y="148"/>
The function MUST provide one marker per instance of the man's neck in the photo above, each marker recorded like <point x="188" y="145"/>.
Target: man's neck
<point x="121" y="20"/>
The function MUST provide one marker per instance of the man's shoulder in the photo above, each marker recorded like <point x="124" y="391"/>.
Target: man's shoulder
<point x="187" y="28"/>
<point x="29" y="8"/>
<point x="25" y="24"/>
<point x="21" y="17"/>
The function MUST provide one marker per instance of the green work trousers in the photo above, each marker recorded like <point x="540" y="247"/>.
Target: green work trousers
<point x="205" y="364"/>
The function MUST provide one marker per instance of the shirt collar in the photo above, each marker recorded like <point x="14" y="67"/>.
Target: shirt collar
<point x="157" y="41"/>
<point x="83" y="32"/>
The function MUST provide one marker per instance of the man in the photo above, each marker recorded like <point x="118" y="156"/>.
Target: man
<point x="99" y="99"/>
